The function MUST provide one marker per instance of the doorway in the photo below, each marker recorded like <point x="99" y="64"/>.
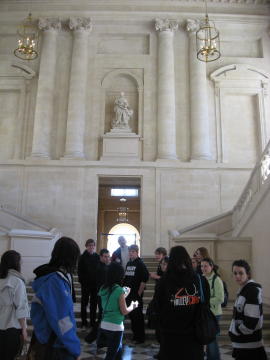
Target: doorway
<point x="118" y="211"/>
<point x="130" y="233"/>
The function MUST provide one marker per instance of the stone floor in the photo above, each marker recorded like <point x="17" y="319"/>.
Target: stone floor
<point x="144" y="352"/>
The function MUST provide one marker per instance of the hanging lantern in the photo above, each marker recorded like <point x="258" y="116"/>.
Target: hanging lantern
<point x="28" y="40"/>
<point x="207" y="40"/>
<point x="122" y="214"/>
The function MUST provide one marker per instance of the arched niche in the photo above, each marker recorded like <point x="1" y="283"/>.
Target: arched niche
<point x="241" y="108"/>
<point x="129" y="82"/>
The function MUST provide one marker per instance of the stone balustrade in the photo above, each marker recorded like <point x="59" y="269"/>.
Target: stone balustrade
<point x="253" y="192"/>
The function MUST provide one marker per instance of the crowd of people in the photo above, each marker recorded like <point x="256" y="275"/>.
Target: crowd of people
<point x="115" y="285"/>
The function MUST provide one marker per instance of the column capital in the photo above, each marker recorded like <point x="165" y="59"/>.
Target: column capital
<point x="166" y="25"/>
<point x="80" y="23"/>
<point x="47" y="24"/>
<point x="192" y="25"/>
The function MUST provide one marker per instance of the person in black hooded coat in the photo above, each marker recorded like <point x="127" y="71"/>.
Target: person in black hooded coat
<point x="176" y="299"/>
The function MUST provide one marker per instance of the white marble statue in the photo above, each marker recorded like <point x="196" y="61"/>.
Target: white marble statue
<point x="122" y="113"/>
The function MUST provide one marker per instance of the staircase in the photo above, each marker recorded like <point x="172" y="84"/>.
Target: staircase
<point x="148" y="294"/>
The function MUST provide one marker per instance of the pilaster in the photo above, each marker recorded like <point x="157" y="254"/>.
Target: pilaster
<point x="200" y="133"/>
<point x="46" y="89"/>
<point x="74" y="147"/>
<point x="166" y="89"/>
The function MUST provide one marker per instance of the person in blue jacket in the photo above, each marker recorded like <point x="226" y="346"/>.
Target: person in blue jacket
<point x="52" y="305"/>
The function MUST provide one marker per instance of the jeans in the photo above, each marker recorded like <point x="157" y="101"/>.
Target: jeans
<point x="114" y="343"/>
<point x="212" y="349"/>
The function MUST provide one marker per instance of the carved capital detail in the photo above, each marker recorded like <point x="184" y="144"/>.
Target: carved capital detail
<point x="80" y="23"/>
<point x="46" y="24"/>
<point x="166" y="25"/>
<point x="192" y="25"/>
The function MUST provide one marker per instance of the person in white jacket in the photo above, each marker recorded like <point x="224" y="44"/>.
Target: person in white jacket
<point x="13" y="305"/>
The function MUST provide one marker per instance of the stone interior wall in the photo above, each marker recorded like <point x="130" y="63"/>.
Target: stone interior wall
<point x="66" y="197"/>
<point x="122" y="56"/>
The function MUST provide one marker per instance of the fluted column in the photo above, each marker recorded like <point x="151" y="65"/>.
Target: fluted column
<point x="200" y="135"/>
<point x="166" y="89"/>
<point x="74" y="148"/>
<point x="46" y="89"/>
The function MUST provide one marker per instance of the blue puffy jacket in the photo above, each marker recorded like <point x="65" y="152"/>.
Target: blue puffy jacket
<point x="52" y="309"/>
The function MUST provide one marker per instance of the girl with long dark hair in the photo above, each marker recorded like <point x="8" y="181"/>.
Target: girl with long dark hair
<point x="114" y="308"/>
<point x="177" y="297"/>
<point x="13" y="305"/>
<point x="52" y="305"/>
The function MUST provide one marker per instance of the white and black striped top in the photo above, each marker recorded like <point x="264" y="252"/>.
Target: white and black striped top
<point x="246" y="326"/>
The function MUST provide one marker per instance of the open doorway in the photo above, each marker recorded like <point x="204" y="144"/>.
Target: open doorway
<point x="130" y="233"/>
<point x="118" y="211"/>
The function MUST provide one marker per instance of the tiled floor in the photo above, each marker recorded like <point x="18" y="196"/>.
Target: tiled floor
<point x="145" y="352"/>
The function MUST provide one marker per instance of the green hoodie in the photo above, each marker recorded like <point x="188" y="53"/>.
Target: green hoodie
<point x="216" y="294"/>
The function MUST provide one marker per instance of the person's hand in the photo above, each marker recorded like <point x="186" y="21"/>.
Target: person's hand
<point x="24" y="334"/>
<point x="134" y="304"/>
<point x="154" y="276"/>
<point x="78" y="358"/>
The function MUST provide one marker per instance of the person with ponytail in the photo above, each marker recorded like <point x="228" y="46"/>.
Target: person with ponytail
<point x="13" y="305"/>
<point x="114" y="309"/>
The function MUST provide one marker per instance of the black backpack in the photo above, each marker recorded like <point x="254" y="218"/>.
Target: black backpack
<point x="226" y="292"/>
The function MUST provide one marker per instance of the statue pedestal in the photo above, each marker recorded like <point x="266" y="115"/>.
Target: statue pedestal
<point x="121" y="144"/>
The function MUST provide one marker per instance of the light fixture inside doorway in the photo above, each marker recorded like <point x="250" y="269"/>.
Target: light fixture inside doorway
<point x="122" y="214"/>
<point x="207" y="40"/>
<point x="28" y="39"/>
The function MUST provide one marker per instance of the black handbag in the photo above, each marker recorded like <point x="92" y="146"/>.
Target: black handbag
<point x="206" y="327"/>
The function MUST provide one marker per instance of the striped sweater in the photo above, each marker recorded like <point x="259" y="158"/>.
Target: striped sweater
<point x="246" y="326"/>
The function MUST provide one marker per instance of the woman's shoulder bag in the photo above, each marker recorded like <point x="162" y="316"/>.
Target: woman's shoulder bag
<point x="206" y="327"/>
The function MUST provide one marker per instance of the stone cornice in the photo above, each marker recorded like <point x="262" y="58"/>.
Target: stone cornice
<point x="117" y="2"/>
<point x="252" y="7"/>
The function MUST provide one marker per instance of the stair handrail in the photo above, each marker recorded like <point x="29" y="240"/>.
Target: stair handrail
<point x="5" y="208"/>
<point x="176" y="233"/>
<point x="258" y="181"/>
